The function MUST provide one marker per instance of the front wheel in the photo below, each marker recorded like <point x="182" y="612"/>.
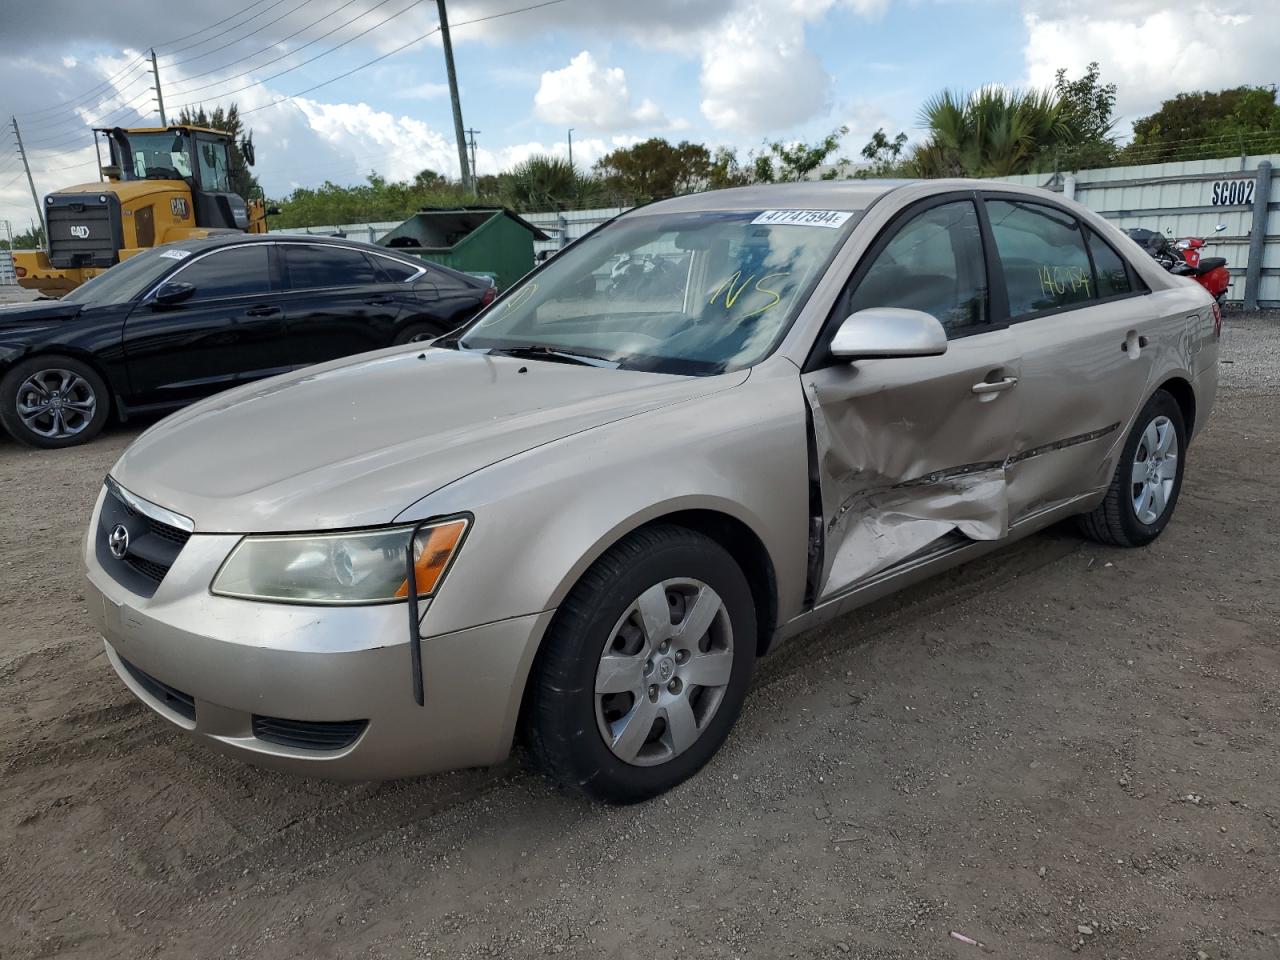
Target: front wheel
<point x="1148" y="477"/>
<point x="53" y="401"/>
<point x="645" y="667"/>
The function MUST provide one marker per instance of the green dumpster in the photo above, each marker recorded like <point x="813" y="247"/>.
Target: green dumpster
<point x="489" y="241"/>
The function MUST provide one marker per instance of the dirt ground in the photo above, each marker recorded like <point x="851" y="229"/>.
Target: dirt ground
<point x="1062" y="748"/>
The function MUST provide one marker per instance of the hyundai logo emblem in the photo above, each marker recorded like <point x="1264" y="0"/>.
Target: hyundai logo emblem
<point x="118" y="541"/>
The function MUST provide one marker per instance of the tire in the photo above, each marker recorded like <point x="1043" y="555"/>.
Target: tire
<point x="567" y="721"/>
<point x="415" y="332"/>
<point x="75" y="400"/>
<point x="1117" y="520"/>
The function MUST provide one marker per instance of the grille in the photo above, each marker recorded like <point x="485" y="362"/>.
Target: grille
<point x="171" y="697"/>
<point x="308" y="734"/>
<point x="148" y="568"/>
<point x="166" y="532"/>
<point x="153" y="545"/>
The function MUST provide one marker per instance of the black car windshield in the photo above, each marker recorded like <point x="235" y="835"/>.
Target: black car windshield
<point x="128" y="278"/>
<point x="691" y="293"/>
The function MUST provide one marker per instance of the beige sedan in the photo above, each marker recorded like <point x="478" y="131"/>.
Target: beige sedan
<point x="712" y="424"/>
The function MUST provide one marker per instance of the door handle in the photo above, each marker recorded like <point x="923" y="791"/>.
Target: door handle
<point x="1141" y="341"/>
<point x="262" y="311"/>
<point x="995" y="386"/>
<point x="380" y="300"/>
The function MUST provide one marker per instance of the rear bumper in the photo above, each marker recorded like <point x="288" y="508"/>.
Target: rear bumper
<point x="213" y="665"/>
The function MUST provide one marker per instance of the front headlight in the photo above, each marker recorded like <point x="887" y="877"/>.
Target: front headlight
<point x="362" y="566"/>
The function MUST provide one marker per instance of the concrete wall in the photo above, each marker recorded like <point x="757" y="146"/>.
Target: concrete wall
<point x="1189" y="198"/>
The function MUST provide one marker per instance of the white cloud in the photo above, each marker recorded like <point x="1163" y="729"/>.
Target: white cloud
<point x="589" y="95"/>
<point x="758" y="72"/>
<point x="1150" y="50"/>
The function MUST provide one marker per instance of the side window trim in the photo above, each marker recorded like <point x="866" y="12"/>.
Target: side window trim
<point x="196" y="258"/>
<point x="1137" y="287"/>
<point x="818" y="357"/>
<point x="1084" y="229"/>
<point x="373" y="255"/>
<point x="288" y="275"/>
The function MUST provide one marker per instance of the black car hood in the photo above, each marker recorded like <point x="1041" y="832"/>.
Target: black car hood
<point x="37" y="312"/>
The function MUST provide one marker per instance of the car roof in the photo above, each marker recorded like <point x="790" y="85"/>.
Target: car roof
<point x="236" y="238"/>
<point x="804" y="194"/>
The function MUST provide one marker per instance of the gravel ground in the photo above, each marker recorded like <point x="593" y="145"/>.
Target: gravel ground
<point x="1060" y="749"/>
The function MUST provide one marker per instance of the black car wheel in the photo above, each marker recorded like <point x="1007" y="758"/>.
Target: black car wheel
<point x="53" y="401"/>
<point x="416" y="333"/>
<point x="645" y="667"/>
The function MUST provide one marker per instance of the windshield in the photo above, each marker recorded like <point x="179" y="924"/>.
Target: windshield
<point x="694" y="293"/>
<point x="158" y="156"/>
<point x="128" y="278"/>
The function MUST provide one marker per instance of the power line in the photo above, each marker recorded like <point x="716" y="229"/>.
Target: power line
<point x="323" y="53"/>
<point x="220" y="33"/>
<point x="270" y="47"/>
<point x="391" y="53"/>
<point x="140" y="72"/>
<point x="219" y="23"/>
<point x="140" y="60"/>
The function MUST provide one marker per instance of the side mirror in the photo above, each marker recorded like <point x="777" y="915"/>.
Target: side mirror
<point x="889" y="332"/>
<point x="173" y="292"/>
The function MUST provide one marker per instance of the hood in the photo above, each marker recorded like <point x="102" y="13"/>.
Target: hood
<point x="37" y="312"/>
<point x="355" y="442"/>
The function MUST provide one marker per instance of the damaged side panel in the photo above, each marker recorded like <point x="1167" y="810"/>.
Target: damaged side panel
<point x="907" y="453"/>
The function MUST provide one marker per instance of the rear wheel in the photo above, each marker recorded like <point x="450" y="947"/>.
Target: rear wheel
<point x="1144" y="489"/>
<point x="645" y="667"/>
<point x="53" y="401"/>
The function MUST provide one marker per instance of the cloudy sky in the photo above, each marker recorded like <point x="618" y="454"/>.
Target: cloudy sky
<point x="719" y="71"/>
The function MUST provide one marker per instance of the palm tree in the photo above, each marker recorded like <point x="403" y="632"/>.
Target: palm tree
<point x="993" y="132"/>
<point x="549" y="183"/>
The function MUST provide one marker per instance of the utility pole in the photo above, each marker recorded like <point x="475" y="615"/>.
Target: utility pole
<point x="571" y="146"/>
<point x="35" y="197"/>
<point x="458" y="133"/>
<point x="471" y="142"/>
<point x="97" y="155"/>
<point x="155" y="72"/>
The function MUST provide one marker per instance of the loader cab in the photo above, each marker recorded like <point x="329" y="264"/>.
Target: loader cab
<point x="197" y="156"/>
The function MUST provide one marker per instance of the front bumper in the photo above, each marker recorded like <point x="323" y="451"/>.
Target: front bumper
<point x="232" y="661"/>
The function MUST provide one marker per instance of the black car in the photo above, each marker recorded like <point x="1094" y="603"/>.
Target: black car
<point x="179" y="322"/>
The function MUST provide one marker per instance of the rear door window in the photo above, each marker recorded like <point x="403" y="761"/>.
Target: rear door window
<point x="933" y="263"/>
<point x="237" y="272"/>
<point x="1109" y="269"/>
<point x="312" y="267"/>
<point x="1042" y="251"/>
<point x="393" y="271"/>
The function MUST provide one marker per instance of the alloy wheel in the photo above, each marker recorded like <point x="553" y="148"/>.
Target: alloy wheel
<point x="663" y="672"/>
<point x="56" y="403"/>
<point x="1155" y="469"/>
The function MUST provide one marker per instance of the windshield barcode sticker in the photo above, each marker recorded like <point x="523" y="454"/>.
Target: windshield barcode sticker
<point x="804" y="218"/>
<point x="176" y="254"/>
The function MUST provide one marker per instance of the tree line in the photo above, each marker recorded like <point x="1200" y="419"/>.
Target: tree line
<point x="991" y="132"/>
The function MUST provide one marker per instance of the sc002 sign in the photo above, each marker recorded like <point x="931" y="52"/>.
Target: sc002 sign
<point x="1229" y="192"/>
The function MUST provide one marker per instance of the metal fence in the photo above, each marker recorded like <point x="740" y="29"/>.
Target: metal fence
<point x="1190" y="198"/>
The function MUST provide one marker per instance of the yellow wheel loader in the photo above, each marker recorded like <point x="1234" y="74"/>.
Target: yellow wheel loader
<point x="163" y="184"/>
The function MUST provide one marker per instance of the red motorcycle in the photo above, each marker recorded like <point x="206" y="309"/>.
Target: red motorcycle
<point x="1184" y="258"/>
